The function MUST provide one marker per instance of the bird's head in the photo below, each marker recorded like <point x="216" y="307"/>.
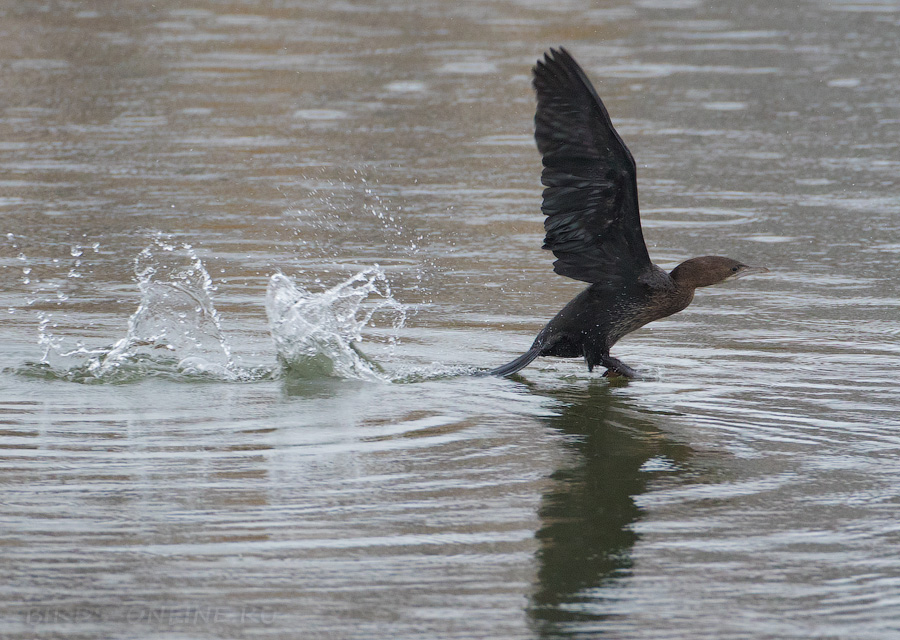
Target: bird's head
<point x="710" y="270"/>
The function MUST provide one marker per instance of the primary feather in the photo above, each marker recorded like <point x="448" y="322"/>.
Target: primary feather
<point x="593" y="226"/>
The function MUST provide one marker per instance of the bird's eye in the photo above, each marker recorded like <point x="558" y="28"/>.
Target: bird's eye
<point x="735" y="269"/>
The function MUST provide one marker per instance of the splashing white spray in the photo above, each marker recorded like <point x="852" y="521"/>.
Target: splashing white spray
<point x="175" y="330"/>
<point x="315" y="333"/>
<point x="176" y="316"/>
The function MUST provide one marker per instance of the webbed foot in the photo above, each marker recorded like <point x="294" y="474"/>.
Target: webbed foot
<point x="616" y="369"/>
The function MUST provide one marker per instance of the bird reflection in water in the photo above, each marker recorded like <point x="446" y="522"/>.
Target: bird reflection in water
<point x="586" y="538"/>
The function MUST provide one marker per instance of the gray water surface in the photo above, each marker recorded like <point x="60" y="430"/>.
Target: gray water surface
<point x="747" y="487"/>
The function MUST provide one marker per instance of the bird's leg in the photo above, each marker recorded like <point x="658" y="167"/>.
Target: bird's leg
<point x="615" y="367"/>
<point x="590" y="356"/>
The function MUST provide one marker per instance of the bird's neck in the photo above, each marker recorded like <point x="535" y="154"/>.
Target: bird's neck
<point x="682" y="276"/>
<point x="682" y="297"/>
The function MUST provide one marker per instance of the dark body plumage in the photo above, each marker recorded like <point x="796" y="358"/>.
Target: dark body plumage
<point x="593" y="227"/>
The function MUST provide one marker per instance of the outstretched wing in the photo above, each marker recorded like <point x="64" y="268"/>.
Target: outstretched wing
<point x="593" y="225"/>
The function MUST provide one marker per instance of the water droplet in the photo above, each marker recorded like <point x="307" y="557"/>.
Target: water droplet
<point x="76" y="251"/>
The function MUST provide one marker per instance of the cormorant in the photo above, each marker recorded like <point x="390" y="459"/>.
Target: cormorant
<point x="593" y="228"/>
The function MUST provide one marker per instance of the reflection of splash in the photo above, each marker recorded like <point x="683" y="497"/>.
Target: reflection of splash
<point x="175" y="330"/>
<point x="315" y="334"/>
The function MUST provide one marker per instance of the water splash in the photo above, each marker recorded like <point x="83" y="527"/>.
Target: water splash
<point x="316" y="334"/>
<point x="176" y="316"/>
<point x="175" y="331"/>
<point x="338" y="206"/>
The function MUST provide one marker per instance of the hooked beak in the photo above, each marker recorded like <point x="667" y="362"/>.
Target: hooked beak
<point x="749" y="271"/>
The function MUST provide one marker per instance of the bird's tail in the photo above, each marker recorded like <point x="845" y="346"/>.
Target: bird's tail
<point x="519" y="363"/>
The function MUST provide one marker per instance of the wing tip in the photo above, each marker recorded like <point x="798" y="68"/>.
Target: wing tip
<point x="556" y="58"/>
<point x="556" y="53"/>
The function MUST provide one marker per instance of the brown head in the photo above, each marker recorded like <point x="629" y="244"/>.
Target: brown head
<point x="710" y="270"/>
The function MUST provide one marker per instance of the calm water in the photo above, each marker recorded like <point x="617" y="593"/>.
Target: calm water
<point x="159" y="158"/>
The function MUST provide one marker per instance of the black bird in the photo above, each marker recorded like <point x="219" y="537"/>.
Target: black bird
<point x="593" y="228"/>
